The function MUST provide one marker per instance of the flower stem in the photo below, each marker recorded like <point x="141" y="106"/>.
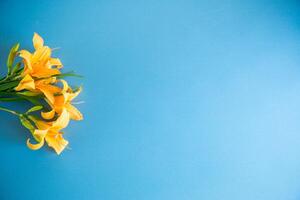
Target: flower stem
<point x="9" y="111"/>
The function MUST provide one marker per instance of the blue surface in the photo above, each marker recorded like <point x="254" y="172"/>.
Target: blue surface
<point x="184" y="100"/>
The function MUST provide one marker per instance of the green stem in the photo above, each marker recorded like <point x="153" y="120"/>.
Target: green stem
<point x="9" y="111"/>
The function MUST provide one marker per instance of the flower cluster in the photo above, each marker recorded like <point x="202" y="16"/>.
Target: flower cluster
<point x="38" y="79"/>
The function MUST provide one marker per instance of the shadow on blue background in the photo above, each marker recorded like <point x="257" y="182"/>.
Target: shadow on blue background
<point x="184" y="100"/>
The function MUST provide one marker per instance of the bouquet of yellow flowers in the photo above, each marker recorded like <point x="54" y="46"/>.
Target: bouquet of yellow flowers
<point x="37" y="78"/>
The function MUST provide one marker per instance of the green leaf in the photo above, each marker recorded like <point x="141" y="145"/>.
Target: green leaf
<point x="9" y="99"/>
<point x="26" y="123"/>
<point x="34" y="109"/>
<point x="72" y="74"/>
<point x="2" y="93"/>
<point x="68" y="74"/>
<point x="33" y="100"/>
<point x="11" y="57"/>
<point x="8" y="85"/>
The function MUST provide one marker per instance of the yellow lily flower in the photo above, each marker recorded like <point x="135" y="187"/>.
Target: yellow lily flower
<point x="64" y="101"/>
<point x="39" y="65"/>
<point x="51" y="133"/>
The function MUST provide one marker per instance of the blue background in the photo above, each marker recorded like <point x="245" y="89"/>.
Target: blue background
<point x="183" y="100"/>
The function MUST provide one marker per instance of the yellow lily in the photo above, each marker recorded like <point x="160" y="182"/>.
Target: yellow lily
<point x="39" y="65"/>
<point x="64" y="101"/>
<point x="51" y="133"/>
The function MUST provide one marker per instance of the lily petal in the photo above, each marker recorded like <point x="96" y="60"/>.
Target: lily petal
<point x="48" y="115"/>
<point x="26" y="55"/>
<point x="62" y="121"/>
<point x="26" y="83"/>
<point x="42" y="125"/>
<point x="75" y="94"/>
<point x="41" y="56"/>
<point x="57" y="142"/>
<point x="75" y="114"/>
<point x="65" y="85"/>
<point x="55" y="62"/>
<point x="58" y="103"/>
<point x="34" y="146"/>
<point x="48" y="91"/>
<point x="43" y="72"/>
<point x="38" y="41"/>
<point x="39" y="135"/>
